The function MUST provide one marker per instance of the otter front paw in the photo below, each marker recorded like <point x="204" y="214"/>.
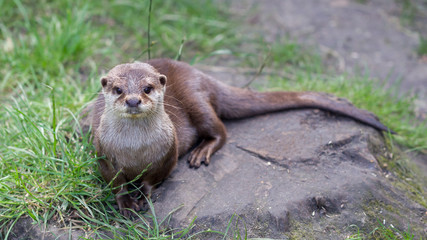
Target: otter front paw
<point x="202" y="153"/>
<point x="127" y="204"/>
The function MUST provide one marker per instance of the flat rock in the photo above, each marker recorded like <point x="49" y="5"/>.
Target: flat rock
<point x="302" y="171"/>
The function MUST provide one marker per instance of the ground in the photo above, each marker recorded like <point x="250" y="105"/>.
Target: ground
<point x="367" y="38"/>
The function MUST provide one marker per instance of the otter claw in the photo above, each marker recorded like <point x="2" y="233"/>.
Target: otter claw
<point x="201" y="154"/>
<point x="127" y="204"/>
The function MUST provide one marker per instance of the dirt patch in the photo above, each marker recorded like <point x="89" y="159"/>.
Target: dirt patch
<point x="363" y="37"/>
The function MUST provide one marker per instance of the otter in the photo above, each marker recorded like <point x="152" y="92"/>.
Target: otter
<point x="148" y="114"/>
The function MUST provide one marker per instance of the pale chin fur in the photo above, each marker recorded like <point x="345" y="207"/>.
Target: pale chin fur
<point x="140" y="112"/>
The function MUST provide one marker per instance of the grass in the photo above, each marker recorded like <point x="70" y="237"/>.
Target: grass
<point x="53" y="53"/>
<point x="408" y="12"/>
<point x="381" y="232"/>
<point x="413" y="14"/>
<point x="422" y="48"/>
<point x="51" y="59"/>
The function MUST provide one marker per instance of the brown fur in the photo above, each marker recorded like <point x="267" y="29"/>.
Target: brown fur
<point x="181" y="110"/>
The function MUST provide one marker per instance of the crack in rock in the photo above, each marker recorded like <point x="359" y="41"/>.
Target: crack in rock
<point x="265" y="156"/>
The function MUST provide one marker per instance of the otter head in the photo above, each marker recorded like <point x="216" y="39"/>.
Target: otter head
<point x="133" y="90"/>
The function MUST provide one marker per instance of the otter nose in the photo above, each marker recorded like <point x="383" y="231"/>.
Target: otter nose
<point x="133" y="102"/>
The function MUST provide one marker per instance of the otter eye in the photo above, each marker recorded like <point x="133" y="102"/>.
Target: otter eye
<point x="118" y="90"/>
<point x="147" y="90"/>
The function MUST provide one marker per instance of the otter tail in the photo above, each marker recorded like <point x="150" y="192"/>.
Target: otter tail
<point x="251" y="103"/>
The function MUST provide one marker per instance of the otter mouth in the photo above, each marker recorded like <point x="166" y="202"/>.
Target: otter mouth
<point x="134" y="112"/>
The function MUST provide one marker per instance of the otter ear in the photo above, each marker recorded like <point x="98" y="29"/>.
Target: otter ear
<point x="104" y="81"/>
<point x="162" y="79"/>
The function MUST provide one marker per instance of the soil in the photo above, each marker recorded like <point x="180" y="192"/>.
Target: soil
<point x="364" y="37"/>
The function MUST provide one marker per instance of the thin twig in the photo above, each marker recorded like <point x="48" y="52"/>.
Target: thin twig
<point x="149" y="39"/>
<point x="261" y="67"/>
<point x="178" y="56"/>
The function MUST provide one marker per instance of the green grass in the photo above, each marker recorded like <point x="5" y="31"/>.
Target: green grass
<point x="408" y="12"/>
<point x="382" y="232"/>
<point x="413" y="14"/>
<point x="422" y="48"/>
<point x="52" y="54"/>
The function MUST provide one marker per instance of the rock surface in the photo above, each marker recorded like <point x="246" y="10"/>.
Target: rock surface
<point x="299" y="173"/>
